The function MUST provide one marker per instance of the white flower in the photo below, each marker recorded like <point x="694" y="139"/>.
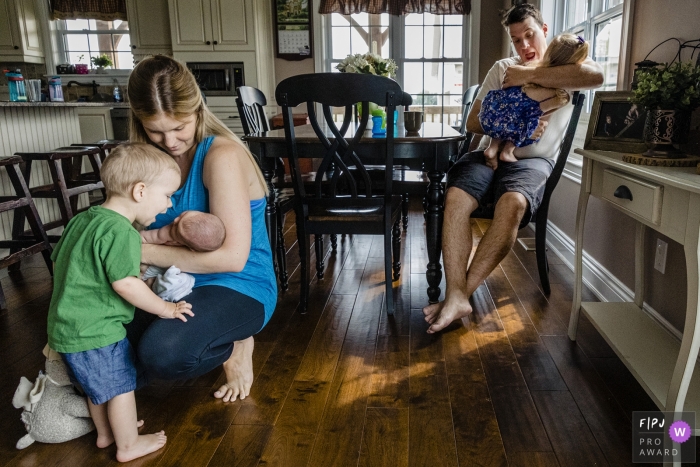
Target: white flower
<point x="368" y="63"/>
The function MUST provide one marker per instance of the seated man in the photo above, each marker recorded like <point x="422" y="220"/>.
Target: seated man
<point x="513" y="189"/>
<point x="198" y="231"/>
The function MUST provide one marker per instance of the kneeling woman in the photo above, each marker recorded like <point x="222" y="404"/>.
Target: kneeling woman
<point x="235" y="289"/>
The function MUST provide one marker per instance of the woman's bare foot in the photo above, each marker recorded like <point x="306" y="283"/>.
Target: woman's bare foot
<point x="239" y="372"/>
<point x="104" y="440"/>
<point x="440" y="315"/>
<point x="145" y="444"/>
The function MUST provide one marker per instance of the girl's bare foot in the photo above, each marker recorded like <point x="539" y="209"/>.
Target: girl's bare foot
<point x="107" y="439"/>
<point x="239" y="372"/>
<point x="491" y="151"/>
<point x="507" y="154"/>
<point x="145" y="444"/>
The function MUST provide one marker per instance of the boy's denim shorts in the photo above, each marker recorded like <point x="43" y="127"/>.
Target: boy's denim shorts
<point x="103" y="373"/>
<point x="526" y="176"/>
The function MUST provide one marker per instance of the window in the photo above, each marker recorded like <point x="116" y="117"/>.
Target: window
<point x="82" y="39"/>
<point x="600" y="23"/>
<point x="430" y="51"/>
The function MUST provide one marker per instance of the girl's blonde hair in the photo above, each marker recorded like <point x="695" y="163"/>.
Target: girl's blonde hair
<point x="565" y="49"/>
<point x="129" y="164"/>
<point x="162" y="85"/>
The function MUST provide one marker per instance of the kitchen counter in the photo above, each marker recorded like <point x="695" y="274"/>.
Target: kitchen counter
<point x="113" y="105"/>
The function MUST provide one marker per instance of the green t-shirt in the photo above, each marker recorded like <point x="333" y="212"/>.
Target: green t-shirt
<point x="97" y="248"/>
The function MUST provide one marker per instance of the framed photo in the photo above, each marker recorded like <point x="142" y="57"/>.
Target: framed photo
<point x="616" y="124"/>
<point x="293" y="32"/>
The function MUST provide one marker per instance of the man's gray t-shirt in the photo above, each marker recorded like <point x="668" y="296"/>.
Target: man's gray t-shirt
<point x="548" y="145"/>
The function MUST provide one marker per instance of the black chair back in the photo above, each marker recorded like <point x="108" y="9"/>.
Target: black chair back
<point x="251" y="104"/>
<point x="339" y="90"/>
<point x="467" y="101"/>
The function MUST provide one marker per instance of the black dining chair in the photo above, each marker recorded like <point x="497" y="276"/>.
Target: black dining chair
<point x="467" y="101"/>
<point x="251" y="104"/>
<point x="542" y="213"/>
<point x="324" y="210"/>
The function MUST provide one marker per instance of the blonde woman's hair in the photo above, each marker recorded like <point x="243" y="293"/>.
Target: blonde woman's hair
<point x="565" y="49"/>
<point x="129" y="164"/>
<point x="162" y="85"/>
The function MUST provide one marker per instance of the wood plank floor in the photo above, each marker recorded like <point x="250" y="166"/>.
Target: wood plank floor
<point x="347" y="385"/>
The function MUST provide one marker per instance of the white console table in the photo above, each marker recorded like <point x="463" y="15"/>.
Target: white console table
<point x="666" y="199"/>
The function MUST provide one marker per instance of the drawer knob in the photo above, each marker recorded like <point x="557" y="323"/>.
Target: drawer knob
<point x="623" y="192"/>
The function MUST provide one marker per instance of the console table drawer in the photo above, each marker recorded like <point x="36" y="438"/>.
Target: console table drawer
<point x="633" y="194"/>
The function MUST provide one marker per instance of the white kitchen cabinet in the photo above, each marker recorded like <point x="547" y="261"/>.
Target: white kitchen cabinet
<point x="149" y="26"/>
<point x="20" y="40"/>
<point x="95" y="124"/>
<point x="212" y="25"/>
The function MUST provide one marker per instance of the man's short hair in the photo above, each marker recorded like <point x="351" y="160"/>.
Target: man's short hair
<point x="129" y="164"/>
<point x="518" y="14"/>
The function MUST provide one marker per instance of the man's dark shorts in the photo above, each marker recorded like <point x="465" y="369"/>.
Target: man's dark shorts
<point x="526" y="176"/>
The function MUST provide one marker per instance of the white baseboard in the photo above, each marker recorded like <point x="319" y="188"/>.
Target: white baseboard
<point x="602" y="283"/>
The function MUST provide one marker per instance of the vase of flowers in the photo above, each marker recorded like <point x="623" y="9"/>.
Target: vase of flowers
<point x="670" y="93"/>
<point x="371" y="64"/>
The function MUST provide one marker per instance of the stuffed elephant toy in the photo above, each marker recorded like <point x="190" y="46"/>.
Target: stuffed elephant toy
<point x="53" y="411"/>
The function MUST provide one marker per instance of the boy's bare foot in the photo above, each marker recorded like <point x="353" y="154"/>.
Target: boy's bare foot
<point x="440" y="315"/>
<point x="239" y="372"/>
<point x="145" y="444"/>
<point x="107" y="439"/>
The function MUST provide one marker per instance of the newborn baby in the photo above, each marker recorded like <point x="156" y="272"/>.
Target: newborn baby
<point x="198" y="231"/>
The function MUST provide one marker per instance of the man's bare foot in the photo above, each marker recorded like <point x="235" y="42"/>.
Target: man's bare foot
<point x="145" y="444"/>
<point x="239" y="372"/>
<point x="107" y="439"/>
<point x="440" y="315"/>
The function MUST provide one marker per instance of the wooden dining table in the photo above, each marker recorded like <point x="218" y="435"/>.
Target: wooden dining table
<point x="432" y="145"/>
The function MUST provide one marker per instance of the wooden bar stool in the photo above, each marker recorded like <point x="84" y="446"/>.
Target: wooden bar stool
<point x="22" y="246"/>
<point x="64" y="164"/>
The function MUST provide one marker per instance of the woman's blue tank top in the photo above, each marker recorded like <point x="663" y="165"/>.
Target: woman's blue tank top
<point x="257" y="279"/>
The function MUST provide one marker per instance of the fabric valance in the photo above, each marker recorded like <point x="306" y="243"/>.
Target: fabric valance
<point x="396" y="7"/>
<point x="105" y="10"/>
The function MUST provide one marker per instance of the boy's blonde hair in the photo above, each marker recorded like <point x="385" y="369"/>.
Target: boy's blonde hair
<point x="565" y="49"/>
<point x="131" y="163"/>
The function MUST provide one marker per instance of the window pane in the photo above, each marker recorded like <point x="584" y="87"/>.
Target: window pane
<point x="77" y="24"/>
<point x="576" y="12"/>
<point x="357" y="42"/>
<point x="453" y="41"/>
<point x="341" y="42"/>
<point x="453" y="81"/>
<point x="433" y="42"/>
<point x="339" y="20"/>
<point x="612" y="3"/>
<point x="77" y="42"/>
<point x="413" y="78"/>
<point x="75" y="57"/>
<point x="453" y="19"/>
<point x="122" y="42"/>
<point x="432" y="78"/>
<point x="361" y="18"/>
<point x="432" y="19"/>
<point x="414" y="42"/>
<point x="414" y="19"/>
<point x="124" y="60"/>
<point x="607" y="50"/>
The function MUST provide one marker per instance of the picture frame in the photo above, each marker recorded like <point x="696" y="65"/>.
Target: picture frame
<point x="293" y="29"/>
<point x="616" y="124"/>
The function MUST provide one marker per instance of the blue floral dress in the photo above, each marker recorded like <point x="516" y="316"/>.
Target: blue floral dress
<point x="509" y="114"/>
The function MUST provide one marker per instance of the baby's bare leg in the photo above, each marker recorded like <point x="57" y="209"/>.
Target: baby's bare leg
<point x="492" y="151"/>
<point x="99" y="418"/>
<point x="507" y="154"/>
<point x="122" y="418"/>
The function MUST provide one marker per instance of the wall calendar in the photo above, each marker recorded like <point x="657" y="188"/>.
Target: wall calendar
<point x="293" y="29"/>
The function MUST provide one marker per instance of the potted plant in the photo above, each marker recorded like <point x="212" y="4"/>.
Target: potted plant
<point x="101" y="62"/>
<point x="669" y="93"/>
<point x="80" y="67"/>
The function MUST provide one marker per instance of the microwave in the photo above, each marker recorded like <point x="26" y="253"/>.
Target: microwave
<point x="218" y="78"/>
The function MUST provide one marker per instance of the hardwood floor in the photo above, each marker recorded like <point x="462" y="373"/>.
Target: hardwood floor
<point x="347" y="385"/>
